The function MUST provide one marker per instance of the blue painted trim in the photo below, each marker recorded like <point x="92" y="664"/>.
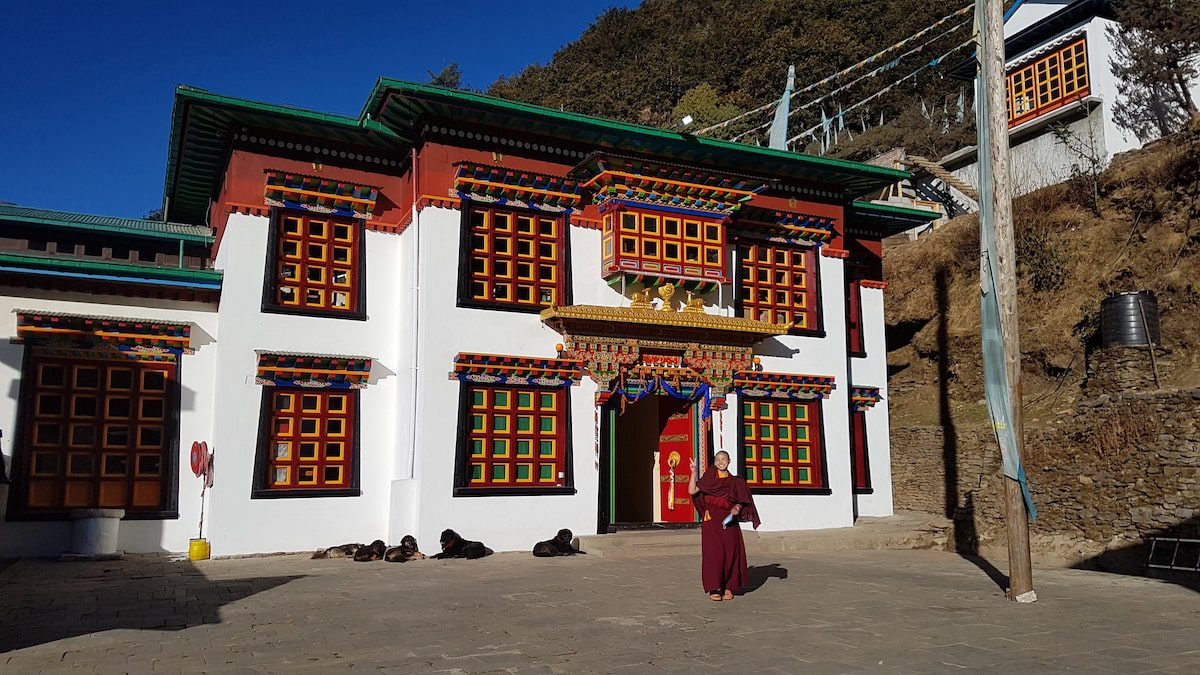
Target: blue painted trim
<point x="110" y="277"/>
<point x="708" y="215"/>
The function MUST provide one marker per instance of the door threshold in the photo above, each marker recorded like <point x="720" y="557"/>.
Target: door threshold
<point x="626" y="527"/>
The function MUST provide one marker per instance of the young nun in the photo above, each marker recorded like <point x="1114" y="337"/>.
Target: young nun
<point x="723" y="500"/>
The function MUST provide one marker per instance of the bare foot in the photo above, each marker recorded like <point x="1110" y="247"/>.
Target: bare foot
<point x="728" y="595"/>
<point x="716" y="597"/>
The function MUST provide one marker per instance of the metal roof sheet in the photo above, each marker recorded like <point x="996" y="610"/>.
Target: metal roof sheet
<point x="135" y="227"/>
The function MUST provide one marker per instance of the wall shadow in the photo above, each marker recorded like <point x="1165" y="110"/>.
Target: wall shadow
<point x="758" y="575"/>
<point x="966" y="537"/>
<point x="1135" y="559"/>
<point x="46" y="600"/>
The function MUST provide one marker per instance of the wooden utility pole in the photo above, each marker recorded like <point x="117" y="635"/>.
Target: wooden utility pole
<point x="992" y="86"/>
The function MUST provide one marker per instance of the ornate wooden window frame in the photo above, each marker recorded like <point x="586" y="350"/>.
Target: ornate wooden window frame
<point x="463" y="445"/>
<point x="1049" y="82"/>
<point x="358" y="280"/>
<point x="562" y="264"/>
<point x="820" y="484"/>
<point x="260" y="487"/>
<point x="813" y="293"/>
<point x="23" y="452"/>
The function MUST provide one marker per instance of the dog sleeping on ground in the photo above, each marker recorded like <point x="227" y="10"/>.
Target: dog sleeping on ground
<point x="343" y="551"/>
<point x="559" y="545"/>
<point x="407" y="550"/>
<point x="374" y="551"/>
<point x="454" y="546"/>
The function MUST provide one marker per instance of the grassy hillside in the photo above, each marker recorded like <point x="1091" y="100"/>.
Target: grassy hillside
<point x="1136" y="228"/>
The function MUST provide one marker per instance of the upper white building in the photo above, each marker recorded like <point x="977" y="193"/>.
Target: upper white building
<point x="448" y="311"/>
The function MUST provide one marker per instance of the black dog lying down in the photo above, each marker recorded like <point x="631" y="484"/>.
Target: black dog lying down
<point x="376" y="550"/>
<point x="454" y="546"/>
<point x="559" y="545"/>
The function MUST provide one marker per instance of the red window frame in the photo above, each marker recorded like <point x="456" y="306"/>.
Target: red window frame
<point x="316" y="265"/>
<point x="513" y="438"/>
<point x="1048" y="83"/>
<point x="782" y="446"/>
<point x="100" y="434"/>
<point x="513" y="259"/>
<point x="855" y="340"/>
<point x="309" y="441"/>
<point x="859" y="457"/>
<point x="663" y="243"/>
<point x="778" y="283"/>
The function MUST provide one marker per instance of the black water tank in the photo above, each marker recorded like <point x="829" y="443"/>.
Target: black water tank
<point x="1127" y="318"/>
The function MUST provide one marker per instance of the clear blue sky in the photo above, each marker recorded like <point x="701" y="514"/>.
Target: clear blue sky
<point x="86" y="87"/>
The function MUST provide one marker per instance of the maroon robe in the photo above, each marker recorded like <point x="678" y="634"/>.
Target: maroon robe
<point x="722" y="550"/>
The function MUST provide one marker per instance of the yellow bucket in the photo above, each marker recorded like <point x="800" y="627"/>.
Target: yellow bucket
<point x="198" y="549"/>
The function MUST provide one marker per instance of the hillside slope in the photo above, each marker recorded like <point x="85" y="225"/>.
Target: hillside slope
<point x="1136" y="228"/>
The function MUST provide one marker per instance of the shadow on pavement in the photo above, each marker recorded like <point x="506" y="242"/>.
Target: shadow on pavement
<point x="46" y="600"/>
<point x="1133" y="560"/>
<point x="758" y="575"/>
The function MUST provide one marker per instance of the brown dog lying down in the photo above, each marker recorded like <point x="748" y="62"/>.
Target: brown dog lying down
<point x="559" y="545"/>
<point x="454" y="546"/>
<point x="407" y="550"/>
<point x="343" y="551"/>
<point x="374" y="551"/>
<point x="377" y="550"/>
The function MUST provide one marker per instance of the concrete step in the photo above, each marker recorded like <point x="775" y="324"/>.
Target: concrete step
<point x="905" y="530"/>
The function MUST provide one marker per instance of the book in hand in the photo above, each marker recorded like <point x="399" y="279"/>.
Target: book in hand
<point x="729" y="520"/>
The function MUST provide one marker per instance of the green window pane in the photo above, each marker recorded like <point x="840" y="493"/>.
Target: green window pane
<point x="768" y="474"/>
<point x="747" y="409"/>
<point x="785" y="475"/>
<point x="500" y="472"/>
<point x="750" y="474"/>
<point x="764" y="410"/>
<point x="547" y="424"/>
<point x="500" y="422"/>
<point x="785" y="433"/>
<point x="477" y="447"/>
<point x="478" y="398"/>
<point x="524" y="423"/>
<point x="523" y="471"/>
<point x="783" y="411"/>
<point x="501" y="399"/>
<point x="499" y="448"/>
<point x="802" y="453"/>
<point x="524" y="449"/>
<point x="546" y="401"/>
<point x="546" y="472"/>
<point x="768" y="453"/>
<point x="476" y="472"/>
<point x="802" y="413"/>
<point x="546" y="449"/>
<point x="764" y="431"/>
<point x="785" y="454"/>
<point x="524" y="400"/>
<point x="749" y="452"/>
<point x="802" y="475"/>
<point x="748" y="431"/>
<point x="477" y="422"/>
<point x="801" y="433"/>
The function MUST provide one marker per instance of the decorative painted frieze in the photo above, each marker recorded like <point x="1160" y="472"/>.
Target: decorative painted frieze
<point x="757" y="384"/>
<point x="135" y="336"/>
<point x="317" y="371"/>
<point x="862" y="398"/>
<point x="320" y="195"/>
<point x="515" y="187"/>
<point x="516" y="370"/>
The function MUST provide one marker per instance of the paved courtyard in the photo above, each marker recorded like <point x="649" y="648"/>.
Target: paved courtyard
<point x="878" y="611"/>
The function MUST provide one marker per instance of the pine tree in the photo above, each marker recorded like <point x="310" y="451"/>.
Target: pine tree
<point x="449" y="77"/>
<point x="1156" y="58"/>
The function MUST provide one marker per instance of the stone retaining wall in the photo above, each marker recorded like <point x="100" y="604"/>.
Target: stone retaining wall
<point x="1118" y="467"/>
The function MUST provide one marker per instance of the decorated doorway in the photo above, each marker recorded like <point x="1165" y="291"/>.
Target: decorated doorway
<point x="654" y="440"/>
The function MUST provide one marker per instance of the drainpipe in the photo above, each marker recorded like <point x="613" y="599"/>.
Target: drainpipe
<point x="416" y="313"/>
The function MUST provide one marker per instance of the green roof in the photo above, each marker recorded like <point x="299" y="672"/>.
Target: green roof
<point x="203" y="125"/>
<point x="884" y="220"/>
<point x="132" y="227"/>
<point x="112" y="271"/>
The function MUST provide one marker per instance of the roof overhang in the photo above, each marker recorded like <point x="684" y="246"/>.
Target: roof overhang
<point x="1047" y="29"/>
<point x="657" y="324"/>
<point x="871" y="220"/>
<point x="405" y="107"/>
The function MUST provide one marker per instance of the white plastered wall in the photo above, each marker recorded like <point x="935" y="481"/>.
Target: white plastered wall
<point x="239" y="524"/>
<point x="37" y="538"/>
<point x="871" y="371"/>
